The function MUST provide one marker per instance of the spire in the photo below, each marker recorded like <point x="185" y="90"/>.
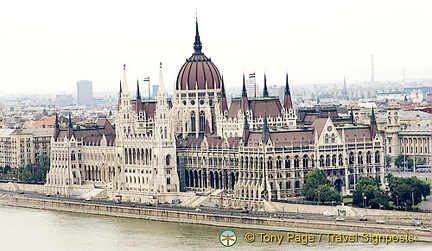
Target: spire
<point x="223" y="94"/>
<point x="197" y="43"/>
<point x="70" y="121"/>
<point x="373" y="125"/>
<point x="70" y="128"/>
<point x="287" y="97"/>
<point x="244" y="93"/>
<point x="223" y="102"/>
<point x="120" y="88"/>
<point x="265" y="92"/>
<point x="266" y="131"/>
<point x="57" y="122"/>
<point x="123" y="85"/>
<point x="138" y="94"/>
<point x="244" y="105"/>
<point x="245" y="130"/>
<point x="161" y="81"/>
<point x="56" y="128"/>
<point x="287" y="89"/>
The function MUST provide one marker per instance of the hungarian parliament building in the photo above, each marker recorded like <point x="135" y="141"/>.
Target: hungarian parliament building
<point x="254" y="149"/>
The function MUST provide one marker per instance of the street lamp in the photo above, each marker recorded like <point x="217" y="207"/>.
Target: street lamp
<point x="397" y="201"/>
<point x="365" y="199"/>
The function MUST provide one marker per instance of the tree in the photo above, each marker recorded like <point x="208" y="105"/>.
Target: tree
<point x="388" y="160"/>
<point x="316" y="187"/>
<point x="327" y="193"/>
<point x="404" y="161"/>
<point x="367" y="193"/>
<point x="407" y="190"/>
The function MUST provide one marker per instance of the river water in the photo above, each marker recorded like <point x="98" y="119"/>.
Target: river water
<point x="32" y="229"/>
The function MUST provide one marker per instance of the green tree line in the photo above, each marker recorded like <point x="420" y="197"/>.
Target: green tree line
<point x="35" y="172"/>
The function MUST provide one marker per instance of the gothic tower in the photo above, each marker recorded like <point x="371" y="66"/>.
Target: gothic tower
<point x="167" y="179"/>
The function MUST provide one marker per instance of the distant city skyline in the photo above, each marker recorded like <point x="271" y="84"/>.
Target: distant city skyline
<point x="47" y="46"/>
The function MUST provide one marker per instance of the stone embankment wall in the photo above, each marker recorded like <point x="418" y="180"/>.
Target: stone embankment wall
<point x="246" y="221"/>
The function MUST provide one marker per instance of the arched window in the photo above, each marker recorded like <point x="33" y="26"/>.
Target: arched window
<point x="193" y="124"/>
<point x="287" y="162"/>
<point x="334" y="160"/>
<point x="278" y="162"/>
<point x="168" y="160"/>
<point x="333" y="138"/>
<point x="326" y="139"/>
<point x="201" y="121"/>
<point x="270" y="163"/>
<point x="377" y="157"/>
<point x="351" y="158"/>
<point x="327" y="163"/>
<point x="305" y="161"/>
<point x="340" y="160"/>
<point x="368" y="158"/>
<point x="360" y="158"/>
<point x="321" y="161"/>
<point x="296" y="161"/>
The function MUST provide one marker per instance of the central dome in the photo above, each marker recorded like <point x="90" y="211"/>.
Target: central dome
<point x="199" y="72"/>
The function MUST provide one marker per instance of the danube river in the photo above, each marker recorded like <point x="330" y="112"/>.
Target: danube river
<point x="32" y="229"/>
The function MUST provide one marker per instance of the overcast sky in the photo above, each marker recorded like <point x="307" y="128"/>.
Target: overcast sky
<point x="46" y="46"/>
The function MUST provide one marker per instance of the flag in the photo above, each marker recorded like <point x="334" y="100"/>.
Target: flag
<point x="252" y="75"/>
<point x="147" y="79"/>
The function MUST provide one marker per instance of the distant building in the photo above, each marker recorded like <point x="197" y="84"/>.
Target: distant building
<point x="85" y="92"/>
<point x="252" y="88"/>
<point x="62" y="100"/>
<point x="155" y="91"/>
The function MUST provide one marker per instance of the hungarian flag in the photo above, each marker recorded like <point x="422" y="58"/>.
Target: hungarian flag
<point x="147" y="79"/>
<point x="252" y="75"/>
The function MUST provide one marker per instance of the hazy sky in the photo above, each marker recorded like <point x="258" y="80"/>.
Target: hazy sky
<point x="46" y="46"/>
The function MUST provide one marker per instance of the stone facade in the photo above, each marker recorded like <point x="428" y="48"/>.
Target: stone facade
<point x="251" y="150"/>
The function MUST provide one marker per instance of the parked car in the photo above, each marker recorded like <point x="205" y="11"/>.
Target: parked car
<point x="198" y="210"/>
<point x="379" y="221"/>
<point x="340" y="219"/>
<point x="327" y="213"/>
<point x="363" y="219"/>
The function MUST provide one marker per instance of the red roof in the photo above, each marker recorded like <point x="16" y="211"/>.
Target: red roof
<point x="259" y="106"/>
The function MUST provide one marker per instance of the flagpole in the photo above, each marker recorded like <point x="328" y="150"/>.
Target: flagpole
<point x="255" y="87"/>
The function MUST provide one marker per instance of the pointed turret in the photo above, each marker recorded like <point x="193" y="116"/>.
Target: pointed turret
<point x="138" y="94"/>
<point x="120" y="92"/>
<point x="124" y="86"/>
<point x="287" y="98"/>
<point x="70" y="127"/>
<point x="138" y="98"/>
<point x="245" y="131"/>
<point x="244" y="100"/>
<point x="197" y="43"/>
<point x="223" y="102"/>
<point x="161" y="89"/>
<point x="266" y="131"/>
<point x="265" y="91"/>
<point x="373" y="124"/>
<point x="56" y="127"/>
<point x="119" y="98"/>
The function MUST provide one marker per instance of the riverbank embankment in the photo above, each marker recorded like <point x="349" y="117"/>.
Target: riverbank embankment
<point x="247" y="221"/>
